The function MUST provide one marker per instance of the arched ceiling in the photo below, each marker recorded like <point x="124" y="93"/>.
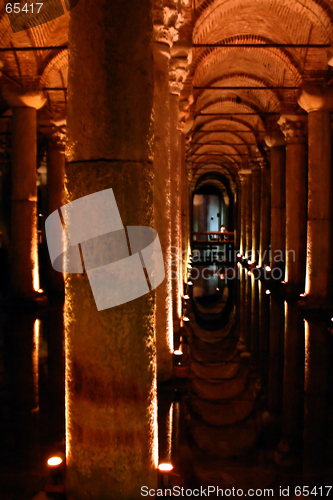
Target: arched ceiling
<point x="249" y="59"/>
<point x="43" y="65"/>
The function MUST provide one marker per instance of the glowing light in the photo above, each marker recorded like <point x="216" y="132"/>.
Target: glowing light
<point x="190" y="283"/>
<point x="189" y="266"/>
<point x="283" y="282"/>
<point x="331" y="319"/>
<point x="239" y="255"/>
<point x="268" y="268"/>
<point x="249" y="273"/>
<point x="302" y="294"/>
<point x="218" y="289"/>
<point x="53" y="461"/>
<point x="186" y="297"/>
<point x="268" y="292"/>
<point x="165" y="467"/>
<point x="40" y="290"/>
<point x="185" y="318"/>
<point x="178" y="352"/>
<point x="239" y="264"/>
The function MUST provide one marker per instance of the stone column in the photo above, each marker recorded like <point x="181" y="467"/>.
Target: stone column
<point x="242" y="209"/>
<point x="56" y="191"/>
<point x="275" y="141"/>
<point x="256" y="196"/>
<point x="249" y="216"/>
<point x="178" y="72"/>
<point x="265" y="214"/>
<point x="296" y="214"/>
<point x="111" y="404"/>
<point x="162" y="204"/>
<point x="24" y="273"/>
<point x="318" y="102"/>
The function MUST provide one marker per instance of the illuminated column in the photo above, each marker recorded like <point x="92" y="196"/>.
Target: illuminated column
<point x="55" y="190"/>
<point x="248" y="215"/>
<point x="275" y="141"/>
<point x="256" y="195"/>
<point x="111" y="428"/>
<point x="265" y="213"/>
<point x="162" y="201"/>
<point x="178" y="72"/>
<point x="318" y="102"/>
<point x="296" y="214"/>
<point x="242" y="209"/>
<point x="264" y="257"/>
<point x="24" y="275"/>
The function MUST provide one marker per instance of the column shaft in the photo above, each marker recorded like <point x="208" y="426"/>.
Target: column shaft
<point x="111" y="399"/>
<point x="277" y="262"/>
<point x="175" y="209"/>
<point x="24" y="248"/>
<point x="162" y="205"/>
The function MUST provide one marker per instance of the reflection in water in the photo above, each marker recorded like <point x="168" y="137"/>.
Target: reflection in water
<point x="31" y="398"/>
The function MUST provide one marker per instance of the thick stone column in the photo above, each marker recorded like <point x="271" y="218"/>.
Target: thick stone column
<point x="56" y="191"/>
<point x="111" y="404"/>
<point x="24" y="274"/>
<point x="318" y="300"/>
<point x="178" y="72"/>
<point x="162" y="204"/>
<point x="275" y="141"/>
<point x="296" y="203"/>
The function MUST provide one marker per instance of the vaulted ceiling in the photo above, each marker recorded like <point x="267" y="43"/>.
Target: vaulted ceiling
<point x="249" y="59"/>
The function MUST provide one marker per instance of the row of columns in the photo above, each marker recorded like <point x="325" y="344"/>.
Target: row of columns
<point x="123" y="134"/>
<point x="296" y="210"/>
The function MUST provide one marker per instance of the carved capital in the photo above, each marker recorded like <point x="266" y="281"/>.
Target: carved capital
<point x="274" y="138"/>
<point x="178" y="74"/>
<point x="166" y="20"/>
<point x="294" y="128"/>
<point x="58" y="138"/>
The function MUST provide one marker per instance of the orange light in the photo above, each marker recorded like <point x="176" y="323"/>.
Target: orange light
<point x="185" y="318"/>
<point x="165" y="467"/>
<point x="53" y="461"/>
<point x="186" y="297"/>
<point x="268" y="292"/>
<point x="178" y="352"/>
<point x="40" y="290"/>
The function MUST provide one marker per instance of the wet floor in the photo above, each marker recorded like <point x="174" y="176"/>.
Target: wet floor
<point x="213" y="426"/>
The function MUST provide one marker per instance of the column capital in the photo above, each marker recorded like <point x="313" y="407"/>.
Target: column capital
<point x="58" y="138"/>
<point x="178" y="73"/>
<point x="316" y="98"/>
<point x="22" y="98"/>
<point x="294" y="128"/>
<point x="274" y="138"/>
<point x="166" y="21"/>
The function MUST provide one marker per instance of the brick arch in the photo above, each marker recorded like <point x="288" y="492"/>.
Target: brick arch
<point x="281" y="19"/>
<point x="267" y="100"/>
<point x="273" y="65"/>
<point x="58" y="63"/>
